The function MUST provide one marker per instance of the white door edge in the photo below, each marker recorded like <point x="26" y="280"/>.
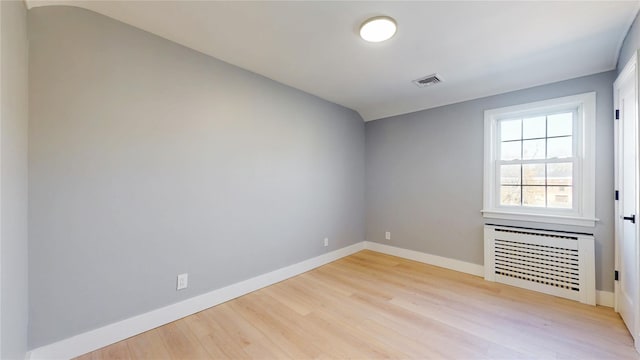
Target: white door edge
<point x="630" y="69"/>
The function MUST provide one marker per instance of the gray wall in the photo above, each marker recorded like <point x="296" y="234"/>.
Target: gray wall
<point x="148" y="159"/>
<point x="13" y="187"/>
<point x="630" y="45"/>
<point x="424" y="175"/>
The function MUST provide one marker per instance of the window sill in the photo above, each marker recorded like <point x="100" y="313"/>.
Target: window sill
<point x="541" y="218"/>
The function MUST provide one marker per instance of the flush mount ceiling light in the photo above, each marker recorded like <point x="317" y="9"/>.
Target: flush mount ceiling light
<point x="377" y="29"/>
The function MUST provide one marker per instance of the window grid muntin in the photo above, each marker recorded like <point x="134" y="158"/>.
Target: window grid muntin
<point x="573" y="159"/>
<point x="546" y="184"/>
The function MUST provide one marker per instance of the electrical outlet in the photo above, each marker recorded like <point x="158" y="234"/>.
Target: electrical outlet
<point x="387" y="235"/>
<point x="183" y="281"/>
<point x="326" y="241"/>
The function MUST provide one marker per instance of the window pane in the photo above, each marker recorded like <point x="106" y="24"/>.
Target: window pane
<point x="510" y="150"/>
<point x="533" y="196"/>
<point x="533" y="149"/>
<point x="560" y="124"/>
<point x="560" y="197"/>
<point x="561" y="147"/>
<point x="510" y="195"/>
<point x="534" y="127"/>
<point x="560" y="174"/>
<point x="510" y="174"/>
<point x="533" y="174"/>
<point x="510" y="130"/>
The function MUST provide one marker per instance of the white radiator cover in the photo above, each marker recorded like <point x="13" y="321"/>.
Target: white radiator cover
<point x="555" y="263"/>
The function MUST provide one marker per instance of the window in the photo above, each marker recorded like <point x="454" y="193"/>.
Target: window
<point x="539" y="161"/>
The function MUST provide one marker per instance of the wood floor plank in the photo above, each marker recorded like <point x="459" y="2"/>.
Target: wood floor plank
<point x="374" y="306"/>
<point x="181" y="342"/>
<point x="237" y="327"/>
<point x="148" y="345"/>
<point x="271" y="328"/>
<point x="117" y="351"/>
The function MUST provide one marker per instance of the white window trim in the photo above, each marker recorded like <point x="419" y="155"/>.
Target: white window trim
<point x="584" y="182"/>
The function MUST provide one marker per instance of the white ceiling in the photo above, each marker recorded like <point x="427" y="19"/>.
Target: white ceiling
<point x="478" y="48"/>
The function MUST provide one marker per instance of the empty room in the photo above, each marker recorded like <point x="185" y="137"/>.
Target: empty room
<point x="319" y="179"/>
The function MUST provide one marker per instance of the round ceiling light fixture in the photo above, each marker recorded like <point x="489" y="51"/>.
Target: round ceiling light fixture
<point x="377" y="29"/>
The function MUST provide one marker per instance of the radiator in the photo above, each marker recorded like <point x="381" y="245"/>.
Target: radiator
<point x="555" y="263"/>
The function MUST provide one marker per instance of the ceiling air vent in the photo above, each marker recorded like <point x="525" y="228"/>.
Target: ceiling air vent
<point x="427" y="80"/>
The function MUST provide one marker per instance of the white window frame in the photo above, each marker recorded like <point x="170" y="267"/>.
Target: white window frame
<point x="584" y="137"/>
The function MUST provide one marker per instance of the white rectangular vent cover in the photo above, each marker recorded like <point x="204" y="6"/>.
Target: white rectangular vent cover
<point x="560" y="264"/>
<point x="428" y="80"/>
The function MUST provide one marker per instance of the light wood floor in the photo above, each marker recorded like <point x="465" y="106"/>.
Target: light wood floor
<point x="370" y="305"/>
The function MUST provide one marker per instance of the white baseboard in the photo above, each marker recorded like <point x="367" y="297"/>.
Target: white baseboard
<point x="447" y="263"/>
<point x="112" y="333"/>
<point x="605" y="298"/>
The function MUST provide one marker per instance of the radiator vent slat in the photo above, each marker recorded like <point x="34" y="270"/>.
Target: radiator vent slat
<point x="560" y="264"/>
<point x="557" y="235"/>
<point x="564" y="272"/>
<point x="540" y="248"/>
<point x="553" y="262"/>
<point x="569" y="256"/>
<point x="526" y="271"/>
<point x="539" y="280"/>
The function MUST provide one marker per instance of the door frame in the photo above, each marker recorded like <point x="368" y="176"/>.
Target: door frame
<point x="630" y="69"/>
